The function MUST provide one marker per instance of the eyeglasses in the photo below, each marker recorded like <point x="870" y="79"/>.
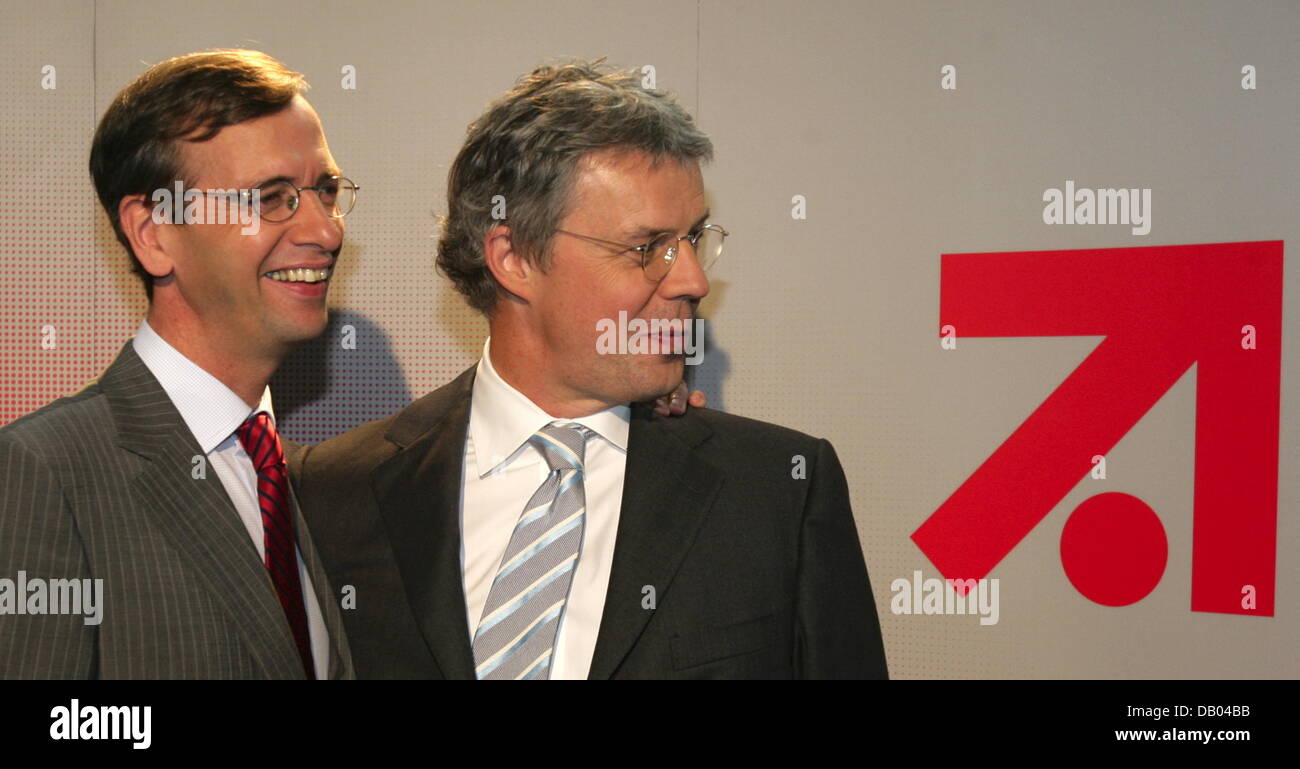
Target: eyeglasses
<point x="280" y="200"/>
<point x="659" y="255"/>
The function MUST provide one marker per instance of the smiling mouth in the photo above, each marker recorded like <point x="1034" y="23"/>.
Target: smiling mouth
<point x="301" y="275"/>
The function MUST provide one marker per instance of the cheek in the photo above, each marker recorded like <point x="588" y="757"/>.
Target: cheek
<point x="630" y="294"/>
<point x="230" y="264"/>
<point x="199" y="260"/>
<point x="243" y="260"/>
<point x="579" y="299"/>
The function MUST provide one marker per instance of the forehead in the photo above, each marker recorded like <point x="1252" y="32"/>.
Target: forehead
<point x="626" y="185"/>
<point x="288" y="143"/>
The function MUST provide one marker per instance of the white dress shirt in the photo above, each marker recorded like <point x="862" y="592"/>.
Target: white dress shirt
<point x="502" y="471"/>
<point x="213" y="412"/>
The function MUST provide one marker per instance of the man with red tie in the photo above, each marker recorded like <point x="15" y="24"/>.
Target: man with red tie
<point x="163" y="483"/>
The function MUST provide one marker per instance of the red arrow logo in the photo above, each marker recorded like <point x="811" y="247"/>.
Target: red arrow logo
<point x="1160" y="310"/>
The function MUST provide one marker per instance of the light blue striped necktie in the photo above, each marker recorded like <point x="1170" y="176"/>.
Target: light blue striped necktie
<point x="516" y="636"/>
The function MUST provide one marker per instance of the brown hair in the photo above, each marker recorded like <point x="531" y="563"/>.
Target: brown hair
<point x="189" y="98"/>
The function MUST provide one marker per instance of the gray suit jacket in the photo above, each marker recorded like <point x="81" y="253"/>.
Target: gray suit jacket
<point x="725" y="565"/>
<point x="99" y="486"/>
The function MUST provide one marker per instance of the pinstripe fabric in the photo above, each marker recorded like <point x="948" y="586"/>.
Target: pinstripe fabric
<point x="102" y="485"/>
<point x="516" y="635"/>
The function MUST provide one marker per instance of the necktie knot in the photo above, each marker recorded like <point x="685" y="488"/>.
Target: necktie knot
<point x="258" y="437"/>
<point x="563" y="444"/>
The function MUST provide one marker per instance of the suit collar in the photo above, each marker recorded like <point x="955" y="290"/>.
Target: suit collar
<point x="418" y="492"/>
<point x="144" y="417"/>
<point x="210" y="409"/>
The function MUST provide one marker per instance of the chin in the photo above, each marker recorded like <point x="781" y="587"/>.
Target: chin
<point x="315" y="324"/>
<point x="305" y="331"/>
<point x="660" y="382"/>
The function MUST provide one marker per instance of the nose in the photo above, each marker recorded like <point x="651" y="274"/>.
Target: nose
<point x="313" y="226"/>
<point x="686" y="278"/>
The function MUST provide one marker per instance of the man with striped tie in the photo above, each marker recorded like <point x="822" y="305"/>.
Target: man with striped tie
<point x="529" y="520"/>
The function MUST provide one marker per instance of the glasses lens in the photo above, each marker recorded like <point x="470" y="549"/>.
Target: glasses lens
<point x="708" y="247"/>
<point x="338" y="195"/>
<point x="278" y="201"/>
<point x="659" y="256"/>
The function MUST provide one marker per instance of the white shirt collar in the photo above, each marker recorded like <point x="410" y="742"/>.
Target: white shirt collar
<point x="211" y="410"/>
<point x="502" y="419"/>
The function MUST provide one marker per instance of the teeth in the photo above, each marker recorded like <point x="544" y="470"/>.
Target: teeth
<point x="301" y="275"/>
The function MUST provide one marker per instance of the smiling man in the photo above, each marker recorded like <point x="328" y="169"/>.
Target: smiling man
<point x="528" y="520"/>
<point x="165" y="479"/>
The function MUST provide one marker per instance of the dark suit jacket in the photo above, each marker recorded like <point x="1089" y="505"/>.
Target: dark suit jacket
<point x="99" y="486"/>
<point x="755" y="574"/>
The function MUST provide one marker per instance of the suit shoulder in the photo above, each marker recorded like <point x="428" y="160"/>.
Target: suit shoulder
<point x="373" y="442"/>
<point x="359" y="443"/>
<point x="369" y="444"/>
<point x="752" y="434"/>
<point x="61" y="427"/>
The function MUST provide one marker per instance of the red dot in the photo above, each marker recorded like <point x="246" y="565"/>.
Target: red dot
<point x="1114" y="549"/>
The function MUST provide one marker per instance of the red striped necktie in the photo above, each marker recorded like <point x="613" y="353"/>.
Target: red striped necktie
<point x="260" y="440"/>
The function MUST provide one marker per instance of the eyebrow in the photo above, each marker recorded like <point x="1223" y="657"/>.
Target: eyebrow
<point x="647" y="232"/>
<point x="327" y="173"/>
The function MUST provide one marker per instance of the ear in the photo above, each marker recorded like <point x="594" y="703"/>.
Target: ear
<point x="515" y="273"/>
<point x="148" y="235"/>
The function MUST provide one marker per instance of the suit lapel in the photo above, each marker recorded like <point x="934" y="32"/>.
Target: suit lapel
<point x="418" y="493"/>
<point x="340" y="664"/>
<point x="667" y="492"/>
<point x="196" y="515"/>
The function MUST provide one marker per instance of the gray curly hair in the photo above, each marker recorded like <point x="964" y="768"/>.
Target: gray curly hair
<point x="525" y="148"/>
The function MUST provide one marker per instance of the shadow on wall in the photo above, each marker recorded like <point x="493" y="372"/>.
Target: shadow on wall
<point x="712" y="369"/>
<point x="343" y="378"/>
